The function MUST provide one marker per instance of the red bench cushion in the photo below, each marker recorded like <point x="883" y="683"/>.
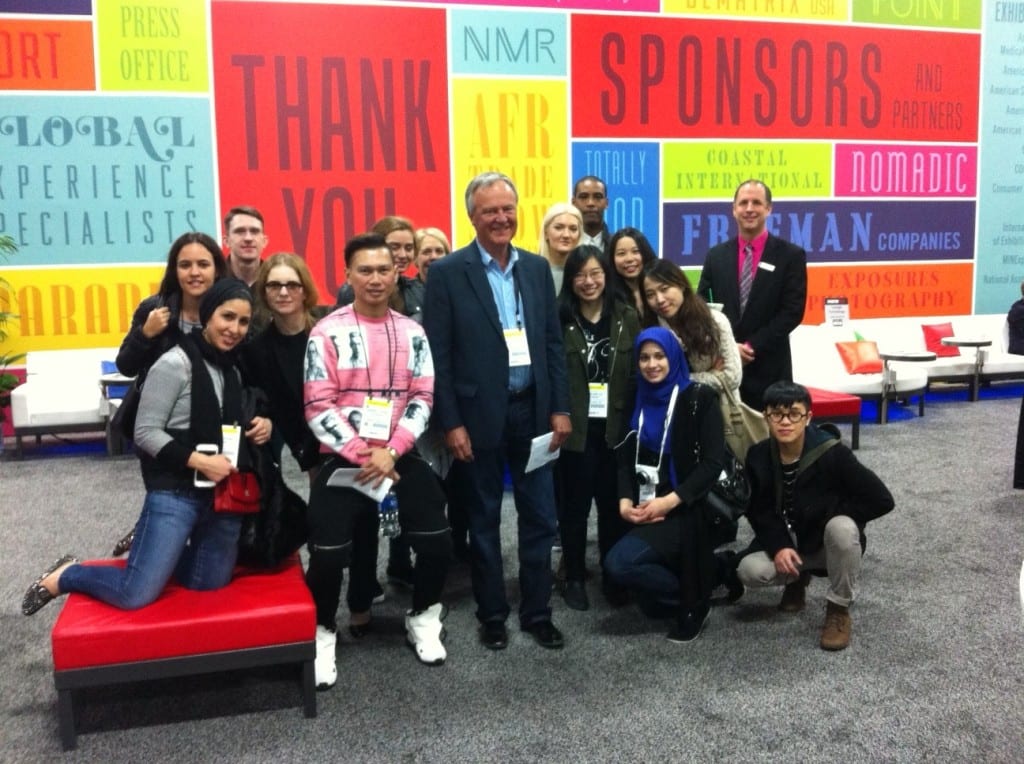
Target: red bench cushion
<point x="825" y="403"/>
<point x="257" y="609"/>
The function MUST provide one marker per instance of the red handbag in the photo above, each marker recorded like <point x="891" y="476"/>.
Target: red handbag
<point x="238" y="493"/>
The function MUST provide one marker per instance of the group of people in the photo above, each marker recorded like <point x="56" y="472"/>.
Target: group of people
<point x="427" y="389"/>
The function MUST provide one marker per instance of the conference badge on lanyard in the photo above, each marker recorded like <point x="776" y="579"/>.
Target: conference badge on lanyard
<point x="518" y="349"/>
<point x="598" y="407"/>
<point x="376" y="421"/>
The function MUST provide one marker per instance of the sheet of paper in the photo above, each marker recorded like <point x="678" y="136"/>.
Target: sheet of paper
<point x="345" y="477"/>
<point x="539" y="454"/>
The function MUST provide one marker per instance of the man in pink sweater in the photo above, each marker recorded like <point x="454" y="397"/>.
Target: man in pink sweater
<point x="369" y="389"/>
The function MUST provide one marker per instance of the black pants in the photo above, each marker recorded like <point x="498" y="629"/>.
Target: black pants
<point x="589" y="476"/>
<point x="343" y="527"/>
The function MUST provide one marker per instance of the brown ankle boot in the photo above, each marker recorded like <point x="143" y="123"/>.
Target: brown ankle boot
<point x="835" y="634"/>
<point x="794" y="595"/>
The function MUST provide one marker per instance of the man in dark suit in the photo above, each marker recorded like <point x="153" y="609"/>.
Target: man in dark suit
<point x="761" y="282"/>
<point x="500" y="380"/>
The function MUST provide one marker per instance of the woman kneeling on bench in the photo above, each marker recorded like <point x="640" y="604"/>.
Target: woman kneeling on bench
<point x="190" y="392"/>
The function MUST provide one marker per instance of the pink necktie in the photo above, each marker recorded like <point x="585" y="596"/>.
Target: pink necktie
<point x="746" y="276"/>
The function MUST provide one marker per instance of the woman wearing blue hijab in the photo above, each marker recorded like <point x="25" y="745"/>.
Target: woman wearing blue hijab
<point x="668" y="462"/>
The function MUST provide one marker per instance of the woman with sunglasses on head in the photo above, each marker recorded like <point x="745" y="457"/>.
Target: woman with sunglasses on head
<point x="400" y="236"/>
<point x="598" y="331"/>
<point x="193" y="393"/>
<point x="706" y="335"/>
<point x="629" y="252"/>
<point x="667" y="464"/>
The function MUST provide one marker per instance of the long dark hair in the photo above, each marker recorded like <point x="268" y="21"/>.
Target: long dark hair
<point x="568" y="302"/>
<point x="693" y="324"/>
<point x="647" y="255"/>
<point x="169" y="284"/>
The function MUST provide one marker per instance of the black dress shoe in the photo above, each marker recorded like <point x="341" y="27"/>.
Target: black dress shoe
<point x="494" y="635"/>
<point x="575" y="595"/>
<point x="690" y="625"/>
<point x="546" y="635"/>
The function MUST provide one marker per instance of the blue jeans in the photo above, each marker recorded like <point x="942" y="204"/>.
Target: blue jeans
<point x="534" y="494"/>
<point x="634" y="564"/>
<point x="178" y="533"/>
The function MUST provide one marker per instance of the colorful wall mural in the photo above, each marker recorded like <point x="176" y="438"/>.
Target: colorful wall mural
<point x="888" y="130"/>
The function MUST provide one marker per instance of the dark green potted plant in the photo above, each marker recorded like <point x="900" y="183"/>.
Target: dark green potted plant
<point x="8" y="381"/>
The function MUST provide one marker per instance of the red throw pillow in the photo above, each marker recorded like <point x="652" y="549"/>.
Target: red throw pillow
<point x="860" y="357"/>
<point x="933" y="334"/>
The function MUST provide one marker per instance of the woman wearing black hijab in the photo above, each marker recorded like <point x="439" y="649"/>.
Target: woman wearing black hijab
<point x="192" y="396"/>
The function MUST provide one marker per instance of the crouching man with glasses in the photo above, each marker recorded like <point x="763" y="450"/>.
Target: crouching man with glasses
<point x="810" y="500"/>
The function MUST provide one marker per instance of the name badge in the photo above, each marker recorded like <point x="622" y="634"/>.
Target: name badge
<point x="598" y="408"/>
<point x="376" y="421"/>
<point x="518" y="349"/>
<point x="231" y="436"/>
<point x="766" y="266"/>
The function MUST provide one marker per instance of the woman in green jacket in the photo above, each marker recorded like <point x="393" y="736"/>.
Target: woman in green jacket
<point x="599" y="331"/>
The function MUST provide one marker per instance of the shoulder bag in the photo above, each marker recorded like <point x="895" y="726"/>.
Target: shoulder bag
<point x="743" y="425"/>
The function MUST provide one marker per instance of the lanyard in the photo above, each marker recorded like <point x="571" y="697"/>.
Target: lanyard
<point x="391" y="355"/>
<point x="664" y="431"/>
<point x="515" y="292"/>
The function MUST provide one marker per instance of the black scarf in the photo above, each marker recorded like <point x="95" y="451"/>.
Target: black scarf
<point x="206" y="417"/>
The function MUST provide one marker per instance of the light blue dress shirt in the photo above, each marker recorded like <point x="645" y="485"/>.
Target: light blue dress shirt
<point x="510" y="310"/>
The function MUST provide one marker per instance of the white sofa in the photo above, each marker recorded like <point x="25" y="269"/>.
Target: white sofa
<point x="61" y="393"/>
<point x="816" y="361"/>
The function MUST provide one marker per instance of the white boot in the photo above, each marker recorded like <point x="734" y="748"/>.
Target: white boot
<point x="424" y="633"/>
<point x="325" y="666"/>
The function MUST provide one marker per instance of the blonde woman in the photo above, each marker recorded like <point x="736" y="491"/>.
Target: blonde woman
<point x="559" y="235"/>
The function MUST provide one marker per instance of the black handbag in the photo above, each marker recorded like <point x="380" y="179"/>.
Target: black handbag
<point x="726" y="502"/>
<point x="123" y="420"/>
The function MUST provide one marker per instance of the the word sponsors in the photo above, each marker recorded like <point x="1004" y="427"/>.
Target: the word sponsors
<point x="706" y="169"/>
<point x="697" y="78"/>
<point x="833" y="232"/>
<point x="505" y="43"/>
<point x="46" y="55"/>
<point x="813" y="10"/>
<point x="103" y="180"/>
<point x="325" y="139"/>
<point x="630" y="172"/>
<point x="64" y="308"/>
<point x="954" y="14"/>
<point x="905" y="170"/>
<point x="875" y="291"/>
<point x="517" y="127"/>
<point x="153" y="45"/>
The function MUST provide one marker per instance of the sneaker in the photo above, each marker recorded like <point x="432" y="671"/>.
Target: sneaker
<point x="794" y="596"/>
<point x="325" y="667"/>
<point x="835" y="634"/>
<point x="689" y="625"/>
<point x="424" y="632"/>
<point x="575" y="595"/>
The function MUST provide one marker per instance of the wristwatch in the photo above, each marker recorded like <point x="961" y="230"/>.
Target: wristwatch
<point x="393" y="452"/>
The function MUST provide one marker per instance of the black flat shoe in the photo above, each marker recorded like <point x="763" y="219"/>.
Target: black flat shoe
<point x="546" y="635"/>
<point x="494" y="635"/>
<point x="125" y="544"/>
<point x="37" y="594"/>
<point x="575" y="595"/>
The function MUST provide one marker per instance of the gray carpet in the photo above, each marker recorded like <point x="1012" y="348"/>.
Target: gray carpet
<point x="934" y="672"/>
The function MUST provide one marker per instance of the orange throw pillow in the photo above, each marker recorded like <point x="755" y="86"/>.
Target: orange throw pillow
<point x="860" y="357"/>
<point x="933" y="334"/>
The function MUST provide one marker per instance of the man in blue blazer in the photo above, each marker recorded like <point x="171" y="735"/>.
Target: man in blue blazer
<point x="773" y="305"/>
<point x="500" y="380"/>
